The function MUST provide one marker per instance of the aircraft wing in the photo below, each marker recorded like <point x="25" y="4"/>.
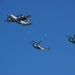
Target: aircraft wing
<point x="23" y="17"/>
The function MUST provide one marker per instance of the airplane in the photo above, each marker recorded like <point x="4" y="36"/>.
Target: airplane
<point x="71" y="39"/>
<point x="38" y="46"/>
<point x="20" y="19"/>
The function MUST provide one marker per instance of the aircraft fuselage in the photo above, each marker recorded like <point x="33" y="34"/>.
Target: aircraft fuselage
<point x="37" y="46"/>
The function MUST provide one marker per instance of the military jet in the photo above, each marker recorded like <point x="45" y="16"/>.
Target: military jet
<point x="71" y="39"/>
<point x="38" y="46"/>
<point x="20" y="19"/>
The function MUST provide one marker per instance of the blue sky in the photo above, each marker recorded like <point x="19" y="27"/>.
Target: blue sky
<point x="55" y="18"/>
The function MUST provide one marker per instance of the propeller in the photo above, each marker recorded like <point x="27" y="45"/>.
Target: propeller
<point x="33" y="41"/>
<point x="36" y="42"/>
<point x="39" y="42"/>
<point x="18" y="16"/>
<point x="21" y="15"/>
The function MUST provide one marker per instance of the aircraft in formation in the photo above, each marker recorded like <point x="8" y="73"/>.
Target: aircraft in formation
<point x="25" y="21"/>
<point x="71" y="39"/>
<point x="20" y="19"/>
<point x="38" y="46"/>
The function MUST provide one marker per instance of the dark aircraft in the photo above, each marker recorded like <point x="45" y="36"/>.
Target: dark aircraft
<point x="38" y="46"/>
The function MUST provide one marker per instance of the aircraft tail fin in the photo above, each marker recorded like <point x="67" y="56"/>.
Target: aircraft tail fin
<point x="47" y="49"/>
<point x="28" y="16"/>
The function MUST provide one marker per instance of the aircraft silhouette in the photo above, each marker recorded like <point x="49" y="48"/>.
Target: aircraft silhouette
<point x="38" y="46"/>
<point x="20" y="19"/>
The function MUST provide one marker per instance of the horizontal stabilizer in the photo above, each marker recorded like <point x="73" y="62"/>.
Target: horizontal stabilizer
<point x="28" y="16"/>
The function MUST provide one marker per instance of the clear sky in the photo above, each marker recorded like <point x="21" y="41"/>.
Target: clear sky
<point x="55" y="18"/>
